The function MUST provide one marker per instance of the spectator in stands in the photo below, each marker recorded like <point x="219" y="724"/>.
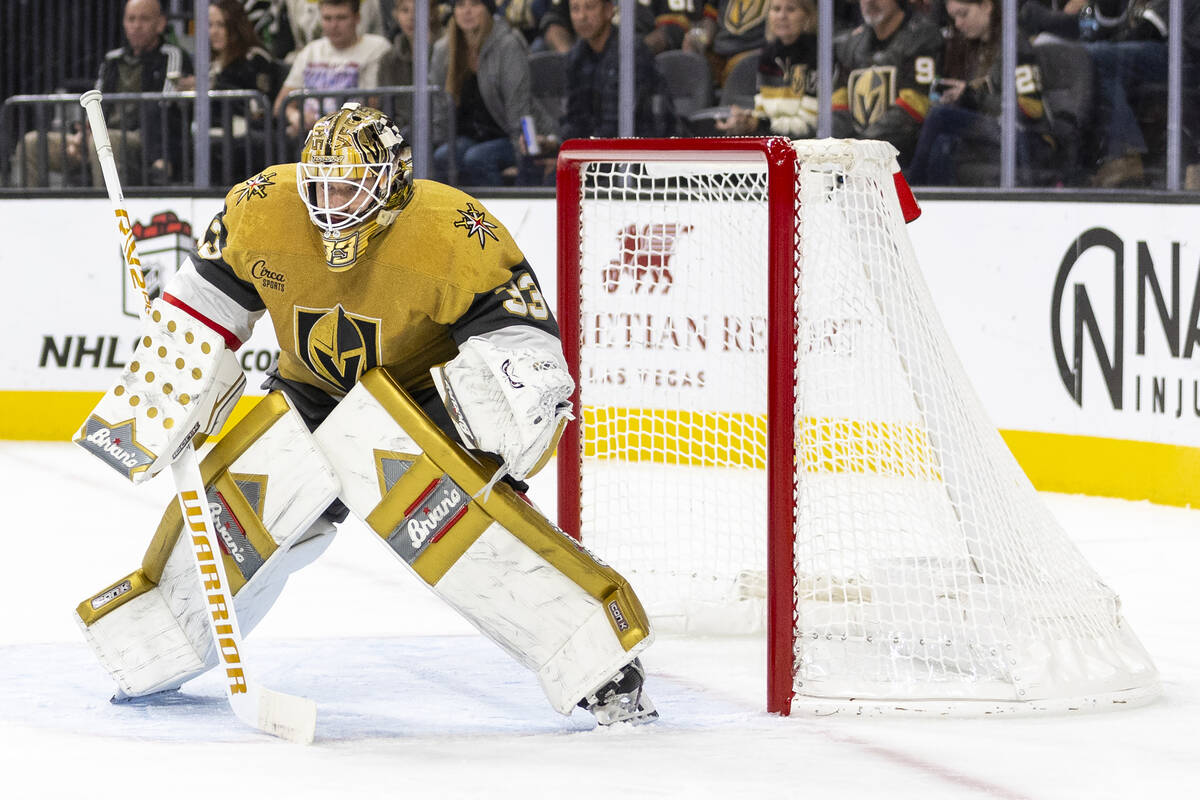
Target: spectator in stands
<point x="263" y="17"/>
<point x="238" y="61"/>
<point x="672" y="21"/>
<point x="525" y="17"/>
<point x="1057" y="18"/>
<point x="730" y="31"/>
<point x="558" y="32"/>
<point x="484" y="66"/>
<point x="405" y="15"/>
<point x="883" y="71"/>
<point x="1129" y="51"/>
<point x="140" y="133"/>
<point x="592" y="82"/>
<point x="846" y="16"/>
<point x="1191" y="101"/>
<point x="404" y="12"/>
<point x="300" y="23"/>
<point x="593" y="89"/>
<point x="963" y="126"/>
<point x="341" y="59"/>
<point x="786" y="102"/>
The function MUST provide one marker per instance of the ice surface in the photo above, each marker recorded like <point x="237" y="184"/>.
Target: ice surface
<point x="412" y="703"/>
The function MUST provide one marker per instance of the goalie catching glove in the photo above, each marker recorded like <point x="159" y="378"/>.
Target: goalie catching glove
<point x="508" y="393"/>
<point x="182" y="381"/>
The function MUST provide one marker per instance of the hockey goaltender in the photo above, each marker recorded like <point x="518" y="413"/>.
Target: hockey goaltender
<point x="420" y="381"/>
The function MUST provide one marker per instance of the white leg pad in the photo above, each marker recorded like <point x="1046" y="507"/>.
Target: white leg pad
<point x="280" y="484"/>
<point x="536" y="613"/>
<point x="536" y="593"/>
<point x="142" y="646"/>
<point x="160" y="639"/>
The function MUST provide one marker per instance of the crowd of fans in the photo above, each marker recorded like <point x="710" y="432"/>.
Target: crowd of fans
<point x="924" y="75"/>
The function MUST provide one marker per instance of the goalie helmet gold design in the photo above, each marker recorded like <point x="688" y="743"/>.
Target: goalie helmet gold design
<point x="355" y="164"/>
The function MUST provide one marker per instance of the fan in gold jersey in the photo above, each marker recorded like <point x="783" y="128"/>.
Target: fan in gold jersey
<point x="420" y="380"/>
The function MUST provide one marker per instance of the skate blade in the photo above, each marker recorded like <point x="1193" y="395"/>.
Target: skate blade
<point x="161" y="697"/>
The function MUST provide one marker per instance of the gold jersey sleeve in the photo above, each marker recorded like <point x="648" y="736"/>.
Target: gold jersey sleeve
<point x="379" y="296"/>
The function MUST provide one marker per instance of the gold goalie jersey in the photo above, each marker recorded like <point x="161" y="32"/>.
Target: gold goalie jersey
<point x="401" y="296"/>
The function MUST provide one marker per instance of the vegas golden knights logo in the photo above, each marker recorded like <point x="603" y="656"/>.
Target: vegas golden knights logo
<point x="742" y="15"/>
<point x="337" y="346"/>
<point x="872" y="92"/>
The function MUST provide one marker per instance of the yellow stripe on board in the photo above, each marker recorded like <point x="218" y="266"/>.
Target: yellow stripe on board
<point x="1057" y="462"/>
<point x="867" y="447"/>
<point x="44" y="416"/>
<point x="55" y="416"/>
<point x="671" y="436"/>
<point x="739" y="440"/>
<point x="1161" y="473"/>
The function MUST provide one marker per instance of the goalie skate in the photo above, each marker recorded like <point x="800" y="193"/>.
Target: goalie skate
<point x="623" y="699"/>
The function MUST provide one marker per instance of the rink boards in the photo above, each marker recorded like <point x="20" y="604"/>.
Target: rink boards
<point x="1078" y="323"/>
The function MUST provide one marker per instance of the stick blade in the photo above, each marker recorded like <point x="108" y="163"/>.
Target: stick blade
<point x="291" y="718"/>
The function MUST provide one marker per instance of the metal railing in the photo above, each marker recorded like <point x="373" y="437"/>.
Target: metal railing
<point x="44" y="142"/>
<point x="55" y="125"/>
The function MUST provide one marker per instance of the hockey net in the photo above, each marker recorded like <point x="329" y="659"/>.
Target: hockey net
<point x="775" y="431"/>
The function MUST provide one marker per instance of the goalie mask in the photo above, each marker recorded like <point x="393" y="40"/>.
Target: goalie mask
<point x="354" y="174"/>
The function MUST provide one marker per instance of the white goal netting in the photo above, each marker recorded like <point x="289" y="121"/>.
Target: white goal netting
<point x="926" y="572"/>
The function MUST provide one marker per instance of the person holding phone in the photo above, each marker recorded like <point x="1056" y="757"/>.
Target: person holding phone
<point x="963" y="126"/>
<point x="593" y="85"/>
<point x="483" y="64"/>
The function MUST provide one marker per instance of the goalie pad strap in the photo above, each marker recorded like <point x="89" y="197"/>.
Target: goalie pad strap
<point x="113" y="597"/>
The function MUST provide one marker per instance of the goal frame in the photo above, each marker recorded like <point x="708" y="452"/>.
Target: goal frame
<point x="780" y="159"/>
<point x="909" y="564"/>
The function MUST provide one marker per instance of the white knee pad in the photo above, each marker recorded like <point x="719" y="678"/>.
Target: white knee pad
<point x="267" y="486"/>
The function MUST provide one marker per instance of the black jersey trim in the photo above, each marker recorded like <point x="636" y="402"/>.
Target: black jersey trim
<point x="495" y="309"/>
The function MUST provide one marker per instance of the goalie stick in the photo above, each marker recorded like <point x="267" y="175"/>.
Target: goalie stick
<point x="286" y="716"/>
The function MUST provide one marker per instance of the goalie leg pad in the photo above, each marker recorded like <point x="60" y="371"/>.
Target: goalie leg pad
<point x="267" y="486"/>
<point x="516" y="577"/>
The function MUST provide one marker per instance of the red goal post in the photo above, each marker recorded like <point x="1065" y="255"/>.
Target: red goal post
<point x="780" y="159"/>
<point x="773" y="425"/>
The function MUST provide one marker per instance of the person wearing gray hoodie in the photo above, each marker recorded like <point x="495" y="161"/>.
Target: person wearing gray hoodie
<point x="482" y="62"/>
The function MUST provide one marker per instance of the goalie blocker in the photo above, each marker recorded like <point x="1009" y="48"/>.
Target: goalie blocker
<point x="530" y="588"/>
<point x="182" y="382"/>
